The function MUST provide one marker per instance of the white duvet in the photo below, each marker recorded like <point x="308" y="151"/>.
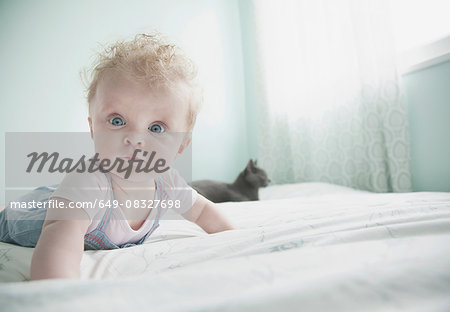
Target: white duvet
<point x="310" y="246"/>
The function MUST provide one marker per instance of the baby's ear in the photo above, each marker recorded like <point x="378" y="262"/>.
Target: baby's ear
<point x="90" y="127"/>
<point x="186" y="141"/>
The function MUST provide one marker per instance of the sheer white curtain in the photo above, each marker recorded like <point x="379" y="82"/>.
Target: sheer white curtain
<point x="331" y="108"/>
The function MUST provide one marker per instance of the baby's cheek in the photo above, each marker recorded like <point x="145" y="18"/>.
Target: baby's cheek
<point x="167" y="146"/>
<point x="107" y="146"/>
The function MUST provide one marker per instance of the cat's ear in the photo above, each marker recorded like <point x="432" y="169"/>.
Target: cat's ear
<point x="256" y="162"/>
<point x="250" y="166"/>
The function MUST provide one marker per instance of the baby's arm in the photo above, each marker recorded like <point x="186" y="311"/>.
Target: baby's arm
<point x="60" y="247"/>
<point x="205" y="215"/>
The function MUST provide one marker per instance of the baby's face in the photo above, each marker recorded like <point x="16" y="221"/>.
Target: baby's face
<point x="127" y="115"/>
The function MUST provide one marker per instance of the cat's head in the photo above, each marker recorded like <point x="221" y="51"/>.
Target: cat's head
<point x="255" y="175"/>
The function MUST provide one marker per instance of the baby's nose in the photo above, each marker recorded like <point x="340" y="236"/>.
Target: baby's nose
<point x="134" y="139"/>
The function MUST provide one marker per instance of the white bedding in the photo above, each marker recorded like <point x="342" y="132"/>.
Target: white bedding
<point x="310" y="246"/>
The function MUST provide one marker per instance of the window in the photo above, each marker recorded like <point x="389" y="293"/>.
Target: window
<point x="421" y="31"/>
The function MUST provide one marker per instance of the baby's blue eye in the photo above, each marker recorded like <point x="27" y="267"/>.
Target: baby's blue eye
<point x="157" y="128"/>
<point x="117" y="121"/>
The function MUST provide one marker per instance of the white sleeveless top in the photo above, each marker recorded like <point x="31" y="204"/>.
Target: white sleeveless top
<point x="92" y="189"/>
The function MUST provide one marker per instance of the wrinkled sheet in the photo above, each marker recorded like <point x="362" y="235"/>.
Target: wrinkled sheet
<point x="310" y="246"/>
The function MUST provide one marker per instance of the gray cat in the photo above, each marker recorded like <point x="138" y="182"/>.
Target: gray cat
<point x="244" y="188"/>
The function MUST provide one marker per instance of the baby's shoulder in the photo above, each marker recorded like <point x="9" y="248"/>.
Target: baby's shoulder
<point x="83" y="187"/>
<point x="174" y="187"/>
<point x="172" y="178"/>
<point x="85" y="179"/>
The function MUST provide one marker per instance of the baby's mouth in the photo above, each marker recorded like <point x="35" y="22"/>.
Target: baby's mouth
<point x="131" y="158"/>
<point x="134" y="155"/>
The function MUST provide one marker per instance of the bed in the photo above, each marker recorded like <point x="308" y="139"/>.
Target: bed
<point x="308" y="246"/>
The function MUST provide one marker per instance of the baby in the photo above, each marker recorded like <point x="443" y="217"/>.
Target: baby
<point x="143" y="100"/>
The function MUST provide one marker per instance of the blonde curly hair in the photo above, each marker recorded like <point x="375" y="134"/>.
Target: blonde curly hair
<point x="150" y="59"/>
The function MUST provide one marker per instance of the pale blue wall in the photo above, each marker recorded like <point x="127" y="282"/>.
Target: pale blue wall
<point x="428" y="98"/>
<point x="250" y="72"/>
<point x="45" y="43"/>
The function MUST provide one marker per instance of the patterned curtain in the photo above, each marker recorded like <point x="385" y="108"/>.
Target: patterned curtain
<point x="331" y="107"/>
